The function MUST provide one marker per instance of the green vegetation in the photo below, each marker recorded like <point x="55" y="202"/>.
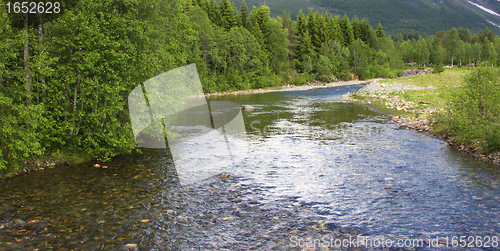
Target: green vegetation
<point x="466" y="104"/>
<point x="449" y="78"/>
<point x="65" y="78"/>
<point x="474" y="116"/>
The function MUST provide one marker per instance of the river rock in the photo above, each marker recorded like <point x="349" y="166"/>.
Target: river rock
<point x="248" y="107"/>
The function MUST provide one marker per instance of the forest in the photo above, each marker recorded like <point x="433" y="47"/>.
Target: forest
<point x="65" y="77"/>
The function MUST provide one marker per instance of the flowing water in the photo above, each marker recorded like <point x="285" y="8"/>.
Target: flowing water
<point x="316" y="167"/>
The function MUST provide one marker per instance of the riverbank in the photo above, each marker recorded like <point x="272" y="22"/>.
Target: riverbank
<point x="418" y="103"/>
<point x="288" y="87"/>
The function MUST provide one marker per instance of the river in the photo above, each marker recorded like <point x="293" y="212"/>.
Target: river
<point x="316" y="167"/>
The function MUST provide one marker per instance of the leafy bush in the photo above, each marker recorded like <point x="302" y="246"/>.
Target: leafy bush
<point x="438" y="68"/>
<point x="474" y="116"/>
<point x="307" y="65"/>
<point x="20" y="132"/>
<point x="302" y="79"/>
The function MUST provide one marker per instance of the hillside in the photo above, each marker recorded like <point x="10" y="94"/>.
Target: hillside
<point x="402" y="16"/>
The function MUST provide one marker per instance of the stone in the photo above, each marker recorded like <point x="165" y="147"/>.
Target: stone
<point x="248" y="107"/>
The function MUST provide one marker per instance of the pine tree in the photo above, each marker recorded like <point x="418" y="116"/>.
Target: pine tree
<point x="261" y="16"/>
<point x="347" y="32"/>
<point x="335" y="31"/>
<point x="301" y="24"/>
<point x="293" y="39"/>
<point x="380" y="31"/>
<point x="464" y="34"/>
<point x="486" y="33"/>
<point x="313" y="29"/>
<point x="306" y="46"/>
<point x="367" y="34"/>
<point x="356" y="28"/>
<point x="228" y="15"/>
<point x="244" y="15"/>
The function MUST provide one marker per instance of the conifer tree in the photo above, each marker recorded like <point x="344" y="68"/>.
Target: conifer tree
<point x="244" y="15"/>
<point x="306" y="46"/>
<point x="464" y="34"/>
<point x="366" y="33"/>
<point x="293" y="39"/>
<point x="214" y="12"/>
<point x="356" y="28"/>
<point x="380" y="31"/>
<point x="335" y="30"/>
<point x="228" y="15"/>
<point x="301" y="24"/>
<point x="347" y="32"/>
<point x="261" y="16"/>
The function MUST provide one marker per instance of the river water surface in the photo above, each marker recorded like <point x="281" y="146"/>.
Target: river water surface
<point x="316" y="167"/>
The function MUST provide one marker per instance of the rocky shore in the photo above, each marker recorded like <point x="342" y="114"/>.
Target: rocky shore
<point x="308" y="86"/>
<point x="387" y="94"/>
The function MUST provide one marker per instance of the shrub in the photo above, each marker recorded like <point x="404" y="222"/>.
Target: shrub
<point x="438" y="68"/>
<point x="302" y="79"/>
<point x="474" y="116"/>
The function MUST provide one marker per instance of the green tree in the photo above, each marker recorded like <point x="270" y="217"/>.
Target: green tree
<point x="451" y="44"/>
<point x="307" y="65"/>
<point x="244" y="14"/>
<point x="347" y="31"/>
<point x="277" y="43"/>
<point x="476" y="110"/>
<point x="301" y="24"/>
<point x="261" y="16"/>
<point x="344" y="69"/>
<point x="306" y="46"/>
<point x="380" y="31"/>
<point x="464" y="35"/>
<point x="293" y="39"/>
<point x="360" y="54"/>
<point x="422" y="52"/>
<point x="323" y="68"/>
<point x="335" y="34"/>
<point x="489" y="53"/>
<point x="228" y="15"/>
<point x="214" y="12"/>
<point x="486" y="33"/>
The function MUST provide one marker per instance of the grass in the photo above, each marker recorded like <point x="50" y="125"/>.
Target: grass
<point x="448" y="78"/>
<point x="447" y="83"/>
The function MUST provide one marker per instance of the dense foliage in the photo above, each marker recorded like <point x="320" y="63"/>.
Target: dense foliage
<point x="474" y="117"/>
<point x="65" y="78"/>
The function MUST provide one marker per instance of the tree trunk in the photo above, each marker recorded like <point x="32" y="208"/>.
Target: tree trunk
<point x="74" y="107"/>
<point x="25" y="58"/>
<point x="40" y="42"/>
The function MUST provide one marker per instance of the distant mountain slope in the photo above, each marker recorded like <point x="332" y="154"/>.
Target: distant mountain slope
<point x="402" y="16"/>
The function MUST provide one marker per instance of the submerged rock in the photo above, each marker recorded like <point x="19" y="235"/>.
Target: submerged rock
<point x="248" y="107"/>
